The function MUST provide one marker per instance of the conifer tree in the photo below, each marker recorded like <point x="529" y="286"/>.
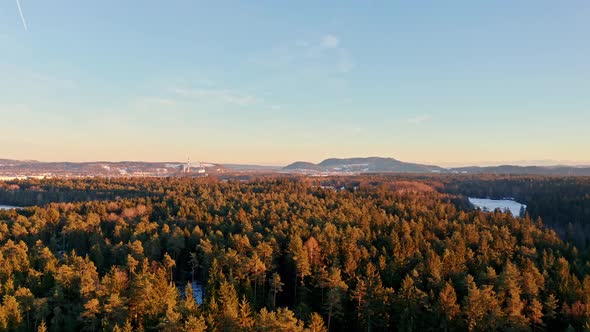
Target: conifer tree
<point x="316" y="324"/>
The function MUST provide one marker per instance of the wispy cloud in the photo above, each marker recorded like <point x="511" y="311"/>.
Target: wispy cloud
<point x="51" y="80"/>
<point x="323" y="54"/>
<point x="157" y="101"/>
<point x="217" y="95"/>
<point x="330" y="41"/>
<point x="419" y="119"/>
<point x="30" y="77"/>
<point x="212" y="97"/>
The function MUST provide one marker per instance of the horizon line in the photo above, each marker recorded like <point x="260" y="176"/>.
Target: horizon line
<point x="520" y="163"/>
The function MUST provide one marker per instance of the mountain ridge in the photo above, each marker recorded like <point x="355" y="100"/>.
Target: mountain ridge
<point x="354" y="165"/>
<point x="391" y="165"/>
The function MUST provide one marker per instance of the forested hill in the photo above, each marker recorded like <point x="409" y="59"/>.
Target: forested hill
<point x="363" y="165"/>
<point x="526" y="170"/>
<point x="281" y="254"/>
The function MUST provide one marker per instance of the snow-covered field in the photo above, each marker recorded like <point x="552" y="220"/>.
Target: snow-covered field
<point x="486" y="204"/>
<point x="6" y="207"/>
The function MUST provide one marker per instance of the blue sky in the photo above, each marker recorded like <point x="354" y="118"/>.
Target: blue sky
<point x="272" y="82"/>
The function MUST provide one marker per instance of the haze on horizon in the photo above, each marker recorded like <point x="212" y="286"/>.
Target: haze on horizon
<point x="448" y="83"/>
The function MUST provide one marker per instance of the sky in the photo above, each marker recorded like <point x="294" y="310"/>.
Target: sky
<point x="272" y="82"/>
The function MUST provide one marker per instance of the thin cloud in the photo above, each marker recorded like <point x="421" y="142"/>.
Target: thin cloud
<point x="216" y="95"/>
<point x="51" y="80"/>
<point x="16" y="74"/>
<point x="359" y="130"/>
<point x="157" y="101"/>
<point x="219" y="96"/>
<point x="323" y="54"/>
<point x="419" y="119"/>
<point x="22" y="17"/>
<point x="330" y="41"/>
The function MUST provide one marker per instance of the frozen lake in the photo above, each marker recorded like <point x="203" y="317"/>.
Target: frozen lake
<point x="6" y="207"/>
<point x="486" y="204"/>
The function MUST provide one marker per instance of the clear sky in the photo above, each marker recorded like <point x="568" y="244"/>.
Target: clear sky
<point x="272" y="82"/>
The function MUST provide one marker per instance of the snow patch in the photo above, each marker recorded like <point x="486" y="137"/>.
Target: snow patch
<point x="8" y="207"/>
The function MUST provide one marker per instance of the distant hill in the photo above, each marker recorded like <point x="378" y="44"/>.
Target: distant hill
<point x="533" y="170"/>
<point x="303" y="165"/>
<point x="32" y="168"/>
<point x="29" y="168"/>
<point x="364" y="165"/>
<point x="385" y="165"/>
<point x="245" y="167"/>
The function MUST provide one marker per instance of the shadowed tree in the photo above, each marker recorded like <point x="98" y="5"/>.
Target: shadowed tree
<point x="336" y="295"/>
<point x="447" y="306"/>
<point x="276" y="286"/>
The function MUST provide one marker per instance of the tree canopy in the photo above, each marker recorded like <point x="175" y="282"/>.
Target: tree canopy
<point x="282" y="253"/>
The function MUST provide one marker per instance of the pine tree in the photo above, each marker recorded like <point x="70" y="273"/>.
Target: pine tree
<point x="258" y="272"/>
<point x="276" y="286"/>
<point x="335" y="296"/>
<point x="228" y="300"/>
<point x="410" y="301"/>
<point x="535" y="313"/>
<point x="447" y="305"/>
<point x="373" y="299"/>
<point x="312" y="247"/>
<point x="300" y="259"/>
<point x="90" y="313"/>
<point x="550" y="306"/>
<point x="42" y="327"/>
<point x="245" y="320"/>
<point x="195" y="324"/>
<point x="189" y="305"/>
<point x="12" y="311"/>
<point x="127" y="327"/>
<point x="434" y="268"/>
<point x="514" y="308"/>
<point x="216" y="277"/>
<point x="316" y="324"/>
<point x="481" y="307"/>
<point x="169" y="263"/>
